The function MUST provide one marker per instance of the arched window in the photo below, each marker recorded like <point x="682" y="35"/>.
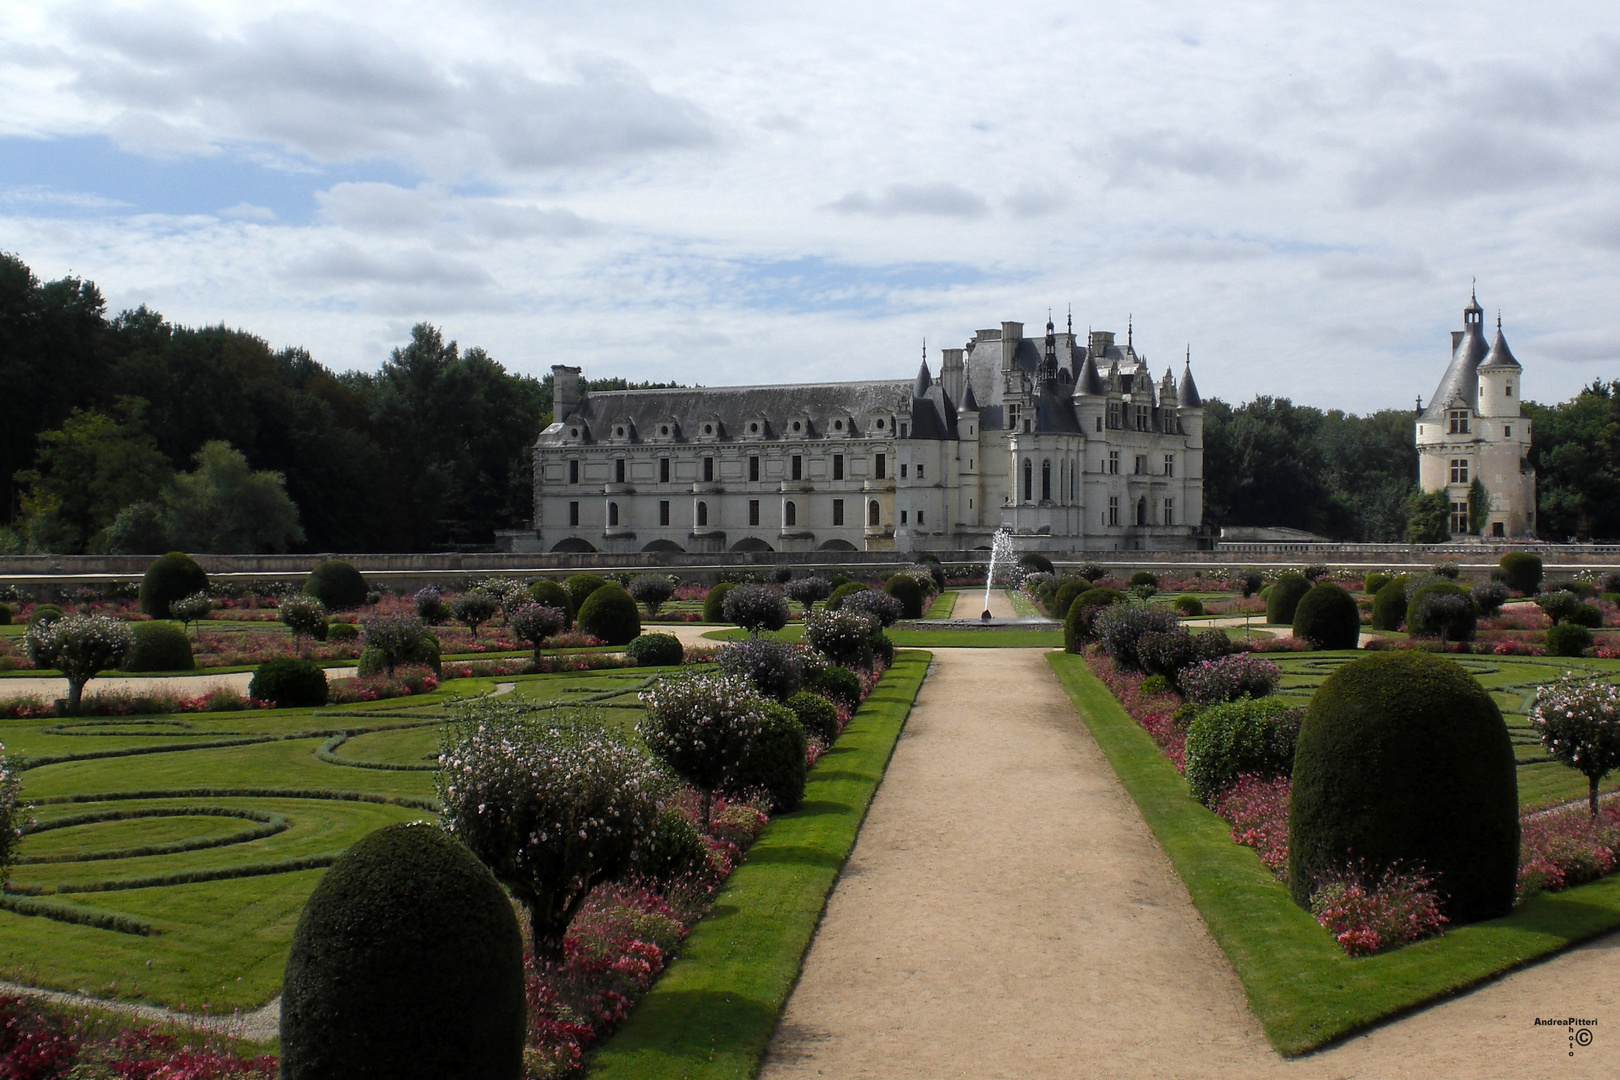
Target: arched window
<point x="613" y="514"/>
<point x="872" y="509"/>
<point x="790" y="514"/>
<point x="1141" y="511"/>
<point x="1029" y="481"/>
<point x="703" y="513"/>
<point x="1046" y="481"/>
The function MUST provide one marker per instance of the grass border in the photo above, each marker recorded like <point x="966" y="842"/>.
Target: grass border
<point x="1305" y="991"/>
<point x="712" y="1013"/>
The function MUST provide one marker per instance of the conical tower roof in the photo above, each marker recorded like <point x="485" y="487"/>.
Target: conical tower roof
<point x="1500" y="355"/>
<point x="924" y="380"/>
<point x="1461" y="380"/>
<point x="1089" y="382"/>
<point x="969" y="402"/>
<point x="1187" y="393"/>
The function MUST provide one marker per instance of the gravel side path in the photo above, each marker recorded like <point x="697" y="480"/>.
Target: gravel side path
<point x="187" y="685"/>
<point x="1007" y="913"/>
<point x="261" y="1025"/>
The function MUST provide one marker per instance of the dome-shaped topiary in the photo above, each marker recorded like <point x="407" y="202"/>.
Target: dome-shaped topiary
<point x="1328" y="618"/>
<point x="548" y="593"/>
<point x="1079" y="620"/>
<point x="817" y="715"/>
<point x="1389" y="605"/>
<point x="290" y="684"/>
<point x="610" y="615"/>
<point x="844" y="592"/>
<point x="835" y="684"/>
<point x="171" y="577"/>
<point x="774" y="760"/>
<point x="1521" y="572"/>
<point x="44" y="613"/>
<point x="336" y="584"/>
<point x="1403" y="759"/>
<point x="1374" y="582"/>
<point x="1442" y="609"/>
<point x="1145" y="577"/>
<point x="580" y="587"/>
<point x="656" y="650"/>
<point x="407" y="963"/>
<point x="1568" y="639"/>
<point x="1189" y="605"/>
<point x="1067" y="593"/>
<point x="714" y="602"/>
<point x="159" y="646"/>
<point x="904" y="588"/>
<point x="1035" y="562"/>
<point x="1284" y="596"/>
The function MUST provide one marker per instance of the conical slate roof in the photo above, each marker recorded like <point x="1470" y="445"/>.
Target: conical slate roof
<point x="1187" y="393"/>
<point x="1461" y="380"/>
<point x="1500" y="355"/>
<point x="1090" y="383"/>
<point x="969" y="402"/>
<point x="924" y="381"/>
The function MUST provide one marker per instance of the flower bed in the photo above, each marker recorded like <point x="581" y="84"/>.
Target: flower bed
<point x="125" y="703"/>
<point x="40" y="1043"/>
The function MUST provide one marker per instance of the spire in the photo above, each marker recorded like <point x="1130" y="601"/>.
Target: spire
<point x="1187" y="393"/>
<point x="969" y="402"/>
<point x="1500" y="355"/>
<point x="1071" y="320"/>
<point x="924" y="380"/>
<point x="1129" y="330"/>
<point x="1089" y="382"/>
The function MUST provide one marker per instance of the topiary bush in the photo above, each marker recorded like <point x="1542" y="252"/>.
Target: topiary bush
<point x="424" y="653"/>
<point x="1587" y="615"/>
<point x="836" y="684"/>
<point x="807" y="590"/>
<point x="290" y="684"/>
<point x="1079" y="622"/>
<point x="80" y="647"/>
<point x="1251" y="736"/>
<point x="1067" y="593"/>
<point x="714" y="602"/>
<point x="904" y="588"/>
<point x="190" y="609"/>
<point x="159" y="646"/>
<point x="169" y="578"/>
<point x="656" y="650"/>
<point x="876" y="605"/>
<point x="579" y="587"/>
<point x="1145" y="577"/>
<point x="407" y="962"/>
<point x="44" y="613"/>
<point x="773" y="761"/>
<point x="844" y="592"/>
<point x="816" y="714"/>
<point x="1167" y="652"/>
<point x="1444" y="610"/>
<point x="1521" y="572"/>
<point x="609" y="615"/>
<point x="1558" y="605"/>
<point x="843" y="637"/>
<point x="756" y="608"/>
<point x="1374" y="582"/>
<point x="1034" y="560"/>
<point x="1389" y="605"/>
<point x="395" y="639"/>
<point x="430" y="606"/>
<point x="472" y="609"/>
<point x="675" y="850"/>
<point x="1328" y="618"/>
<point x="1490" y="596"/>
<point x="1285" y="595"/>
<point x="700" y="728"/>
<point x="773" y="668"/>
<point x="337" y="584"/>
<point x="1188" y="605"/>
<point x="342" y="631"/>
<point x="546" y="592"/>
<point x="5" y="615"/>
<point x="536" y="624"/>
<point x="1568" y="639"/>
<point x="1404" y="761"/>
<point x="305" y="616"/>
<point x="651" y="591"/>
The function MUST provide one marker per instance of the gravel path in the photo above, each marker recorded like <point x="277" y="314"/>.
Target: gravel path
<point x="1007" y="913"/>
<point x="185" y="685"/>
<point x="261" y="1025"/>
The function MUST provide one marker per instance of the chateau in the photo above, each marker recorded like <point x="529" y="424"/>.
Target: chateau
<point x="1068" y="444"/>
<point x="1472" y="430"/>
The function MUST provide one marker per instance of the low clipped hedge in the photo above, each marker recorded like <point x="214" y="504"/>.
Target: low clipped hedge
<point x="548" y="593"/>
<point x="579" y="588"/>
<point x="1568" y="639"/>
<point x="610" y="615"/>
<point x="1404" y="760"/>
<point x="1079" y="620"/>
<point x="44" y="612"/>
<point x="337" y="584"/>
<point x="1248" y="736"/>
<point x="159" y="646"/>
<point x="169" y="578"/>
<point x="407" y="962"/>
<point x="904" y="588"/>
<point x="656" y="650"/>
<point x="1284" y="596"/>
<point x="1389" y="605"/>
<point x="817" y="715"/>
<point x="714" y="602"/>
<point x="291" y="684"/>
<point x="1521" y="571"/>
<point x="1328" y="617"/>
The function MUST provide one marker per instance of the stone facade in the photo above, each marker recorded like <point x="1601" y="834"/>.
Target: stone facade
<point x="1473" y="429"/>
<point x="1069" y="444"/>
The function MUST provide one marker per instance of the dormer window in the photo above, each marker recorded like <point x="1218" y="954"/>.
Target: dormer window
<point x="619" y="432"/>
<point x="708" y="429"/>
<point x="753" y="428"/>
<point x="573" y="433"/>
<point x="1459" y="422"/>
<point x="663" y="429"/>
<point x="798" y="426"/>
<point x="880" y="425"/>
<point x="838" y="425"/>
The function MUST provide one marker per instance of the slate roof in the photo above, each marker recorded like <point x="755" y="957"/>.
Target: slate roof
<point x="1500" y="355"/>
<point x="1461" y="380"/>
<point x="1187" y="392"/>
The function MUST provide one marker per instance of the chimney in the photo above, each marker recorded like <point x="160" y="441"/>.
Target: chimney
<point x="1456" y="339"/>
<point x="1011" y="334"/>
<point x="950" y="373"/>
<point x="564" y="390"/>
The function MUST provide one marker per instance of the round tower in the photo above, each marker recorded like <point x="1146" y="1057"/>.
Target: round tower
<point x="1499" y="387"/>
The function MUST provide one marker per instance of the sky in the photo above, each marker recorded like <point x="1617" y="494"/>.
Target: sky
<point x="1298" y="193"/>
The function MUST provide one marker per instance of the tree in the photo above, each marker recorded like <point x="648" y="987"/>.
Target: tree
<point x="652" y="590"/>
<point x="395" y="637"/>
<point x="701" y="728"/>
<point x="807" y="590"/>
<point x="1428" y="517"/>
<point x="80" y="647"/>
<point x="472" y="608"/>
<point x="1479" y="507"/>
<point x="536" y="623"/>
<point x="85" y="472"/>
<point x="224" y="506"/>
<point x="1578" y="719"/>
<point x="189" y="609"/>
<point x="304" y="615"/>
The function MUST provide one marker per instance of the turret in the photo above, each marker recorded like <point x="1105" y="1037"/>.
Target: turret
<point x="1189" y="406"/>
<point x="1499" y="379"/>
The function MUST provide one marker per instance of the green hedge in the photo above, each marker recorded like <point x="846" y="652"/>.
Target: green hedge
<point x="76" y="915"/>
<point x="159" y="646"/>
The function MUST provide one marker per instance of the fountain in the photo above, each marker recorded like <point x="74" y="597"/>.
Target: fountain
<point x="1001" y="553"/>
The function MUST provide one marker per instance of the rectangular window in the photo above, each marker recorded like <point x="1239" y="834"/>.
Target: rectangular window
<point x="1141" y="464"/>
<point x="753" y="511"/>
<point x="618" y="470"/>
<point x="838" y="466"/>
<point x="1012" y="417"/>
<point x="1113" y="462"/>
<point x="904" y="428"/>
<point x="663" y="470"/>
<point x="903" y="468"/>
<point x="1169" y="511"/>
<point x="1142" y="418"/>
<point x="838" y="511"/>
<point x="663" y="512"/>
<point x="919" y="517"/>
<point x="902" y="517"/>
<point x="573" y="471"/>
<point x="1507" y="431"/>
<point x="1113" y="509"/>
<point x="1113" y="414"/>
<point x="573" y="513"/>
<point x="1509" y="389"/>
<point x="798" y="467"/>
<point x="1459" y="470"/>
<point x="1099" y="423"/>
<point x="1459" y="422"/>
<point x="708" y="470"/>
<point x="919" y="470"/>
<point x="1169" y="464"/>
<point x="753" y="468"/>
<point x="1459" y="517"/>
<point x="880" y="467"/>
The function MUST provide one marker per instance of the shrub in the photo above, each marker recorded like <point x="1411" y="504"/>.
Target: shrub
<point x="1490" y="597"/>
<point x="1443" y="610"/>
<point x="1145" y="577"/>
<point x="1167" y="652"/>
<point x="1120" y="628"/>
<point x="1389" y="605"/>
<point x="579" y="587"/>
<point x="305" y="616"/>
<point x="1229" y="678"/>
<point x="674" y="850"/>
<point x="1587" y="615"/>
<point x="1558" y="605"/>
<point x="816" y="714"/>
<point x="774" y="762"/>
<point x="1328" y="618"/>
<point x="843" y="592"/>
<point x="1252" y="583"/>
<point x="1284" y="597"/>
<point x="1447" y="570"/>
<point x="651" y="591"/>
<point x="756" y="608"/>
<point x="1034" y="560"/>
<point x="843" y="637"/>
<point x="289" y="684"/>
<point x="159" y="646"/>
<point x="430" y="606"/>
<point x="1067" y="593"/>
<point x="700" y="728"/>
<point x="1189" y="605"/>
<point x="714" y="602"/>
<point x="337" y="584"/>
<point x="169" y="578"/>
<point x="394" y="639"/>
<point x="407" y="962"/>
<point x="836" y="684"/>
<point x="472" y="609"/>
<point x="807" y="590"/>
<point x="342" y="631"/>
<point x="1374" y="582"/>
<point x="80" y="647"/>
<point x="1403" y="760"/>
<point x="773" y="668"/>
<point x="904" y="588"/>
<point x="1578" y="721"/>
<point x="188" y="609"/>
<point x="1245" y="737"/>
<point x="509" y="593"/>
<point x="1079" y="622"/>
<point x="610" y="615"/>
<point x="1521" y="572"/>
<point x="656" y="650"/>
<point x="876" y="605"/>
<point x="1568" y="639"/>
<point x="44" y="613"/>
<point x="546" y="592"/>
<point x="536" y="624"/>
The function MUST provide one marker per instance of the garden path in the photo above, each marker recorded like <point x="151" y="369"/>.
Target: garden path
<point x="260" y="1025"/>
<point x="184" y="685"/>
<point x="1007" y="913"/>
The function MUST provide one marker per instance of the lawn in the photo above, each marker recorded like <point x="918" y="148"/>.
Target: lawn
<point x="1300" y="984"/>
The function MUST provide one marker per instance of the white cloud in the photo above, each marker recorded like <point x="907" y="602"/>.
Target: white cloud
<point x="245" y="211"/>
<point x="938" y="198"/>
